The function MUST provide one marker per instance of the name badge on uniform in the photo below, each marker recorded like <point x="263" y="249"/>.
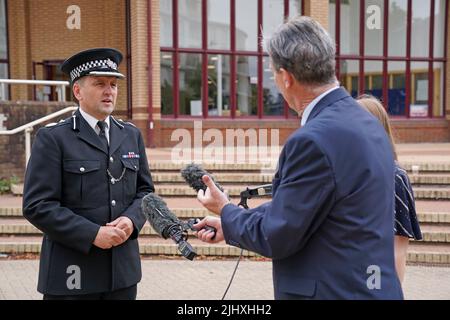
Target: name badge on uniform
<point x="131" y="155"/>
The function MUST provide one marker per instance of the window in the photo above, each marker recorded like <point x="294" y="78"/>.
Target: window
<point x="247" y="85"/>
<point x="394" y="50"/>
<point x="4" y="62"/>
<point x="218" y="85"/>
<point x="212" y="61"/>
<point x="52" y="71"/>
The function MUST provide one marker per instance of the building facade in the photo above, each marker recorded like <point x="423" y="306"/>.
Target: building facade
<point x="203" y="61"/>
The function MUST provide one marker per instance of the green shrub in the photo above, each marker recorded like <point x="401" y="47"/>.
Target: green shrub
<point x="5" y="184"/>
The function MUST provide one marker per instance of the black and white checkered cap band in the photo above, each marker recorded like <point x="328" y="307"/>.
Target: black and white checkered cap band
<point x="95" y="64"/>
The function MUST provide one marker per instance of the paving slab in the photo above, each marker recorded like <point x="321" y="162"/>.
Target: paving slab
<point x="253" y="280"/>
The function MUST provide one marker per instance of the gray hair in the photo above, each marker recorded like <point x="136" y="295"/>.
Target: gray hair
<point x="304" y="48"/>
<point x="80" y="81"/>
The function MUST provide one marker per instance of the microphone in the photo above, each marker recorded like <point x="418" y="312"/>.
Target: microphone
<point x="167" y="225"/>
<point x="193" y="174"/>
<point x="255" y="192"/>
<point x="158" y="215"/>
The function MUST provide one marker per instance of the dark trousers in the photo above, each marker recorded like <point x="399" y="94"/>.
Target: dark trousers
<point x="121" y="294"/>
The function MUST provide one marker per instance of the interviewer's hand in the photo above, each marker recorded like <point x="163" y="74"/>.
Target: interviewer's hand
<point x="108" y="237"/>
<point x="206" y="235"/>
<point x="212" y="199"/>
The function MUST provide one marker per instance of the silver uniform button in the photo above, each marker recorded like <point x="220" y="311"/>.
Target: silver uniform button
<point x="82" y="169"/>
<point x="111" y="159"/>
<point x="113" y="203"/>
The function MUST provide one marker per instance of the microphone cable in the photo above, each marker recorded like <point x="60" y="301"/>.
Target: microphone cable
<point x="193" y="174"/>
<point x="234" y="272"/>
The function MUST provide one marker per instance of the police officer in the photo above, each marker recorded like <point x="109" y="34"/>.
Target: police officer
<point x="84" y="185"/>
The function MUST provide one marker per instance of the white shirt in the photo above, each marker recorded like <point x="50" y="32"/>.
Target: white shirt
<point x="93" y="123"/>
<point x="313" y="103"/>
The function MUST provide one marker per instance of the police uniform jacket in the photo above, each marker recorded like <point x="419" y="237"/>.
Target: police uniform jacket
<point x="68" y="195"/>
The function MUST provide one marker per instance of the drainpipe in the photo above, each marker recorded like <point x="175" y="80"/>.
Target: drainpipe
<point x="150" y="123"/>
<point x="129" y="65"/>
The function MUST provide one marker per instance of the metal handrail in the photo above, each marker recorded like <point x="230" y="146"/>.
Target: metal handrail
<point x="28" y="128"/>
<point x="61" y="84"/>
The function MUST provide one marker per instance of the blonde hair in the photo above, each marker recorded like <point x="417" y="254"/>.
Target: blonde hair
<point x="374" y="106"/>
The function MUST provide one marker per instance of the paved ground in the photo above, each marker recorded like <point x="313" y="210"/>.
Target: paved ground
<point x="207" y="280"/>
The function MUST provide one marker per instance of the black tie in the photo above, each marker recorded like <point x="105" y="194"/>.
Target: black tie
<point x="102" y="125"/>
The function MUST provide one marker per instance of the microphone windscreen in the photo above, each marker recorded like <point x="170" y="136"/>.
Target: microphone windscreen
<point x="158" y="214"/>
<point x="193" y="174"/>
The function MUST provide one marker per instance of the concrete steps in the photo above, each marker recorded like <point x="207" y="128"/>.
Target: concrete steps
<point x="147" y="246"/>
<point x="181" y="190"/>
<point x="433" y="217"/>
<point x="429" y="166"/>
<point x="19" y="227"/>
<point x="430" y="179"/>
<point x="262" y="178"/>
<point x="156" y="166"/>
<point x="430" y="211"/>
<point x="417" y="252"/>
<point x="425" y="253"/>
<point x="18" y="236"/>
<point x="167" y="165"/>
<point x="223" y="177"/>
<point x="15" y="213"/>
<point x="434" y="193"/>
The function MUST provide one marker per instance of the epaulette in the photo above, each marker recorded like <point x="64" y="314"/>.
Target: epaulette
<point x="131" y="124"/>
<point x="53" y="124"/>
<point x="121" y="123"/>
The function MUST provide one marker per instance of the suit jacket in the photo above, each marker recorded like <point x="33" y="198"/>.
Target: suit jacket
<point x="68" y="195"/>
<point x="329" y="225"/>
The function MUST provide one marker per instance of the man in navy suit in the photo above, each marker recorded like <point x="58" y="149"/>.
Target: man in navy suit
<point x="329" y="225"/>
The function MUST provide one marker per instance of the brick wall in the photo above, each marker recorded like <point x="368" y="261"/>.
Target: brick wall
<point x="447" y="107"/>
<point x="140" y="68"/>
<point x="417" y="131"/>
<point x="145" y="75"/>
<point x="283" y="129"/>
<point x="19" y="49"/>
<point x="156" y="69"/>
<point x="38" y="32"/>
<point x="405" y="131"/>
<point x="317" y="9"/>
<point x="12" y="151"/>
